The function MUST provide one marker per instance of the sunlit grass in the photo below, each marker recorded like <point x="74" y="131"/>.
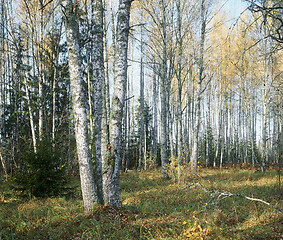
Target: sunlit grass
<point x="154" y="208"/>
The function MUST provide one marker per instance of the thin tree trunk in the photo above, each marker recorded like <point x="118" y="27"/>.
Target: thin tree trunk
<point x="124" y="132"/>
<point x="264" y="105"/>
<point x="209" y="138"/>
<point x="164" y="98"/>
<point x="114" y="43"/>
<point x="194" y="156"/>
<point x="2" y="85"/>
<point x="41" y="74"/>
<point x="155" y="114"/>
<point x="29" y="106"/>
<point x="222" y="137"/>
<point x="241" y="135"/>
<point x="118" y="100"/>
<point x="229" y="130"/>
<point x="55" y="76"/>
<point x="142" y="134"/>
<point x="105" y="117"/>
<point x="179" y="77"/>
<point x="218" y="131"/>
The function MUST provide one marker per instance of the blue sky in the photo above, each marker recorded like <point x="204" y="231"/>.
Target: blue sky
<point x="234" y="7"/>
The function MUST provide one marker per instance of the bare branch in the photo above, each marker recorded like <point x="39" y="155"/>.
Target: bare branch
<point x="215" y="194"/>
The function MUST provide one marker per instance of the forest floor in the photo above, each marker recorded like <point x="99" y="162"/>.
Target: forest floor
<point x="154" y="208"/>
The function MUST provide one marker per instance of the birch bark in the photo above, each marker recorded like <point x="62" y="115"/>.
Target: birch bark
<point x="118" y="100"/>
<point x="265" y="103"/>
<point x="194" y="156"/>
<point x="80" y="118"/>
<point x="179" y="77"/>
<point x="142" y="134"/>
<point x="155" y="115"/>
<point x="105" y="116"/>
<point x="41" y="74"/>
<point x="98" y="82"/>
<point x="55" y="76"/>
<point x="32" y="127"/>
<point x="163" y="99"/>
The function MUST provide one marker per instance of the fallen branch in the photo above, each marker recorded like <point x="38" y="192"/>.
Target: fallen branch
<point x="222" y="195"/>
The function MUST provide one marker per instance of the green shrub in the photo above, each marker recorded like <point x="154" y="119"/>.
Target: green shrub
<point x="41" y="174"/>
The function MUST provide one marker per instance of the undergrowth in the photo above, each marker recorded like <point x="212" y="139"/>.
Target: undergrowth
<point x="153" y="208"/>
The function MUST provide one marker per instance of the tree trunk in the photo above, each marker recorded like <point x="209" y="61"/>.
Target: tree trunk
<point x="194" y="156"/>
<point x="179" y="77"/>
<point x="155" y="115"/>
<point x="105" y="117"/>
<point x="98" y="82"/>
<point x="164" y="99"/>
<point x="264" y="105"/>
<point x="142" y="134"/>
<point x="2" y="86"/>
<point x="118" y="100"/>
<point x="32" y="127"/>
<point x="40" y="73"/>
<point x="80" y="118"/>
<point x="55" y="76"/>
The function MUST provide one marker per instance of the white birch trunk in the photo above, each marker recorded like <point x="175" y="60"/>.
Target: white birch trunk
<point x="142" y="134"/>
<point x="98" y="82"/>
<point x="164" y="98"/>
<point x="105" y="118"/>
<point x="55" y="76"/>
<point x="179" y="77"/>
<point x="264" y="104"/>
<point x="194" y="156"/>
<point x="2" y="87"/>
<point x="80" y="118"/>
<point x="155" y="115"/>
<point x="32" y="127"/>
<point x="118" y="100"/>
<point x="40" y="74"/>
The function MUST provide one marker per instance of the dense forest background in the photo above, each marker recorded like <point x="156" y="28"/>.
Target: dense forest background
<point x="144" y="119"/>
<point x="201" y="89"/>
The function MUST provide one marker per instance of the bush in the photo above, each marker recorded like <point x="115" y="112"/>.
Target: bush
<point x="41" y="174"/>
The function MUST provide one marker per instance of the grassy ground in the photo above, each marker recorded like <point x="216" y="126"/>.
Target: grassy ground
<point x="154" y="208"/>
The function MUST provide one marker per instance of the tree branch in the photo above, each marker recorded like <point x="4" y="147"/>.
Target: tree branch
<point x="43" y="6"/>
<point x="215" y="194"/>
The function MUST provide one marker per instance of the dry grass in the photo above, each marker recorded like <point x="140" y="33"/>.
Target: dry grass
<point x="154" y="208"/>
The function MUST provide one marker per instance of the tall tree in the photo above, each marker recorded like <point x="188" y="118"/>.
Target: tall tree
<point x="80" y="118"/>
<point x="194" y="156"/>
<point x="118" y="102"/>
<point x="98" y="85"/>
<point x="40" y="70"/>
<point x="142" y="112"/>
<point x="180" y="87"/>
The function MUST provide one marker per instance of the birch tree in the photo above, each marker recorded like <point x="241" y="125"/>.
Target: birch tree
<point x="142" y="130"/>
<point x="98" y="82"/>
<point x="118" y="102"/>
<point x="3" y="81"/>
<point x="80" y="118"/>
<point x="194" y="155"/>
<point x="40" y="71"/>
<point x="180" y="87"/>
